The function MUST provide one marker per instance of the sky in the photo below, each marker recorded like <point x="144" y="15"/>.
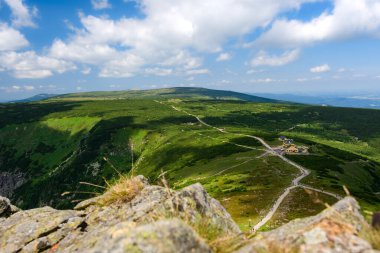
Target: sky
<point x="255" y="46"/>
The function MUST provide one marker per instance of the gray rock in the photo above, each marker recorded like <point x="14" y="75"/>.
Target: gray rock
<point x="30" y="227"/>
<point x="336" y="229"/>
<point x="161" y="220"/>
<point x="5" y="207"/>
<point x="150" y="222"/>
<point x="164" y="236"/>
<point x="192" y="204"/>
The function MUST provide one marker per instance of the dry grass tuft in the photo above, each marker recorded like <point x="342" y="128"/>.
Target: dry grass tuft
<point x="124" y="190"/>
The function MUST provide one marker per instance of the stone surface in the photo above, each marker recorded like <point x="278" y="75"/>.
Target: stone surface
<point x="150" y="222"/>
<point x="160" y="220"/>
<point x="164" y="236"/>
<point x="6" y="208"/>
<point x="334" y="230"/>
<point x="42" y="227"/>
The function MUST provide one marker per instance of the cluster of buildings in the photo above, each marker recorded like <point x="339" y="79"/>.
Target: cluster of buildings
<point x="288" y="146"/>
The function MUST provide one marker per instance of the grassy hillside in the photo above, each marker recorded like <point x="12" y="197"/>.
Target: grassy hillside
<point x="170" y="93"/>
<point x="58" y="143"/>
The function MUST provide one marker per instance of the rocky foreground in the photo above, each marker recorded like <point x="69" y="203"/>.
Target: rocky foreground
<point x="161" y="220"/>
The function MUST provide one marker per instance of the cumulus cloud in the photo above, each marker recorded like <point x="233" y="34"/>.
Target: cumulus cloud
<point x="224" y="57"/>
<point x="169" y="31"/>
<point x="11" y="39"/>
<point x="193" y="72"/>
<point x="22" y="14"/>
<point x="264" y="59"/>
<point x="100" y="4"/>
<point x="158" y="71"/>
<point x="29" y="65"/>
<point x="320" y="69"/>
<point x="347" y="19"/>
<point x="126" y="65"/>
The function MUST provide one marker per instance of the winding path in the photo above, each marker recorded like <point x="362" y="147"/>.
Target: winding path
<point x="295" y="182"/>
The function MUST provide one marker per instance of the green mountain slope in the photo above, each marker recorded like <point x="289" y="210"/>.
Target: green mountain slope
<point x="169" y="93"/>
<point x="92" y="137"/>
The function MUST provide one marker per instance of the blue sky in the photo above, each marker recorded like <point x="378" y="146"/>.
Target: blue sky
<point x="271" y="46"/>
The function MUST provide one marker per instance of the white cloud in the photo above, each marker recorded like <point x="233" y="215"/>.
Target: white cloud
<point x="264" y="80"/>
<point x="83" y="51"/>
<point x="31" y="66"/>
<point x="224" y="57"/>
<point x="181" y="58"/>
<point x="302" y="79"/>
<point x="341" y="70"/>
<point x="347" y="19"/>
<point x="100" y="4"/>
<point x="264" y="59"/>
<point x="126" y="65"/>
<point x="11" y="39"/>
<point x="17" y="88"/>
<point x="320" y="69"/>
<point x="22" y="14"/>
<point x="225" y="81"/>
<point x="29" y="87"/>
<point x="197" y="72"/>
<point x="159" y="71"/>
<point x="86" y="71"/>
<point x="169" y="31"/>
<point x="254" y="71"/>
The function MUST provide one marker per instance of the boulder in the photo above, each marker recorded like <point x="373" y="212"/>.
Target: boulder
<point x="157" y="219"/>
<point x="336" y="229"/>
<point x="165" y="236"/>
<point x="37" y="229"/>
<point x="192" y="204"/>
<point x="6" y="208"/>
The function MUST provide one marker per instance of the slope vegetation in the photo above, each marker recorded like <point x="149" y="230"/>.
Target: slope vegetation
<point x="49" y="147"/>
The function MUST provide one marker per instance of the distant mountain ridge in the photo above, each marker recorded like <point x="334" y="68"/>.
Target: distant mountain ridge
<point x="167" y="93"/>
<point x="38" y="97"/>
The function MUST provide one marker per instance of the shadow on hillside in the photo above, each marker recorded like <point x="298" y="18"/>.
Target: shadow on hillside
<point x="360" y="123"/>
<point x="48" y="187"/>
<point x="29" y="112"/>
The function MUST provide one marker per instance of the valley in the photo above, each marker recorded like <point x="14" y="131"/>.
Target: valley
<point x="224" y="140"/>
